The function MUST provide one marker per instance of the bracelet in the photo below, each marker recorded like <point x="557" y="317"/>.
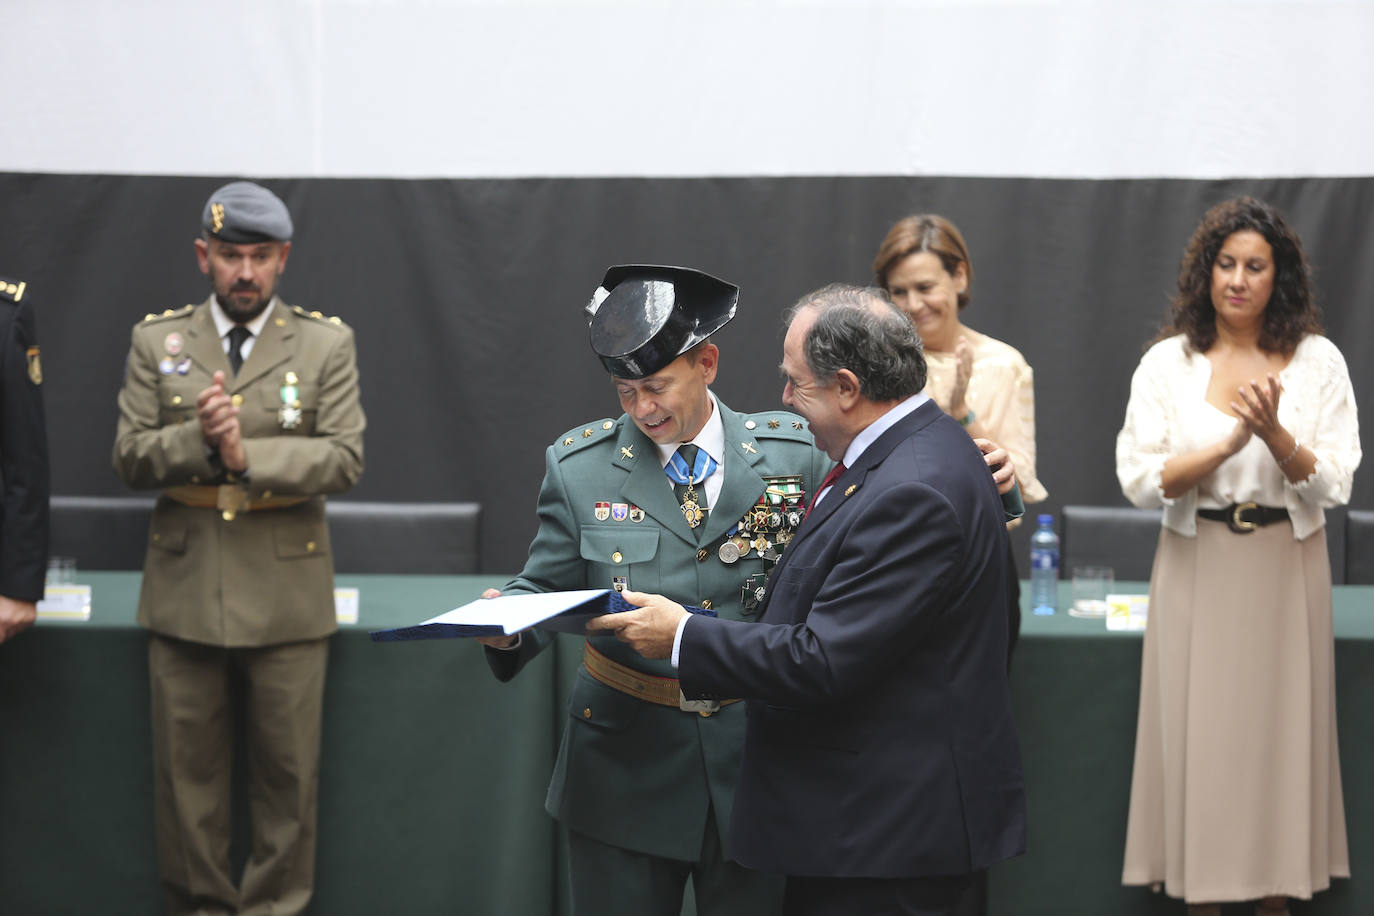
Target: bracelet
<point x="1293" y="454"/>
<point x="971" y="416"/>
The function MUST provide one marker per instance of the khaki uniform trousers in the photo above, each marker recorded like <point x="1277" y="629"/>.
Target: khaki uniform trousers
<point x="193" y="697"/>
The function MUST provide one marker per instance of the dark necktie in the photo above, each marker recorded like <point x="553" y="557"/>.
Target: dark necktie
<point x="689" y="497"/>
<point x="830" y="479"/>
<point x="237" y="335"/>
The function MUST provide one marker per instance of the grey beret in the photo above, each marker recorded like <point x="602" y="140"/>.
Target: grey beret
<point x="244" y="213"/>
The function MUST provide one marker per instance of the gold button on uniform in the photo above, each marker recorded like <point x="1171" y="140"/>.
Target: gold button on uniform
<point x="607" y="425"/>
<point x="616" y="557"/>
<point x="266" y="494"/>
<point x="310" y="546"/>
<point x="156" y="538"/>
<point x="749" y="424"/>
<point x="586" y="712"/>
<point x="236" y="400"/>
<point x="195" y="478"/>
<point x="227" y="515"/>
<point x="705" y="604"/>
<point x="702" y="555"/>
<point x="176" y="399"/>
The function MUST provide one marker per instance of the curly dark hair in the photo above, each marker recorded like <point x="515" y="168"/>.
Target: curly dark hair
<point x="1291" y="313"/>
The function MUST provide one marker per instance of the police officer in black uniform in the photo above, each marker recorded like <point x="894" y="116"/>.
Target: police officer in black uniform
<point x="23" y="463"/>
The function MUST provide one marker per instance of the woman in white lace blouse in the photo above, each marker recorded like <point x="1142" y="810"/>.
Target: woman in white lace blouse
<point x="1242" y="426"/>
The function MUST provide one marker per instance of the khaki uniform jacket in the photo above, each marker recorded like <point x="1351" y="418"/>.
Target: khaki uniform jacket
<point x="631" y="773"/>
<point x="265" y="576"/>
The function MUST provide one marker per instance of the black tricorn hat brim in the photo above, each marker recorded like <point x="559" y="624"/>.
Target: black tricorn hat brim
<point x="644" y="316"/>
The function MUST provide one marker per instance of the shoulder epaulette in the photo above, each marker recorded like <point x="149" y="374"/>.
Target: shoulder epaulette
<point x="167" y="313"/>
<point x="317" y="316"/>
<point x="579" y="437"/>
<point x="778" y="424"/>
<point x="12" y="290"/>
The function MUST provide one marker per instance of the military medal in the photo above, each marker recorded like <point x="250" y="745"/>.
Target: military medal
<point x="619" y="583"/>
<point x="166" y="366"/>
<point x="691" y="509"/>
<point x="289" y="415"/>
<point x="728" y="552"/>
<point x="681" y="475"/>
<point x="636" y="513"/>
<point x="753" y="592"/>
<point x="184" y="367"/>
<point x="620" y="511"/>
<point x="603" y="511"/>
<point x="172" y="343"/>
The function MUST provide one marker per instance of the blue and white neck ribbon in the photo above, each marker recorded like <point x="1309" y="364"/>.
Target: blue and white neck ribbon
<point x="703" y="467"/>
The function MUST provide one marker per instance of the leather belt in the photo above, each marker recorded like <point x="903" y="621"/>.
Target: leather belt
<point x="1244" y="518"/>
<point x="651" y="688"/>
<point x="230" y="499"/>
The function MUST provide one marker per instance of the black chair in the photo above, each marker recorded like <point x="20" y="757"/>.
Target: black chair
<point x="1359" y="547"/>
<point x="100" y="532"/>
<point x="419" y="538"/>
<point x="1121" y="537"/>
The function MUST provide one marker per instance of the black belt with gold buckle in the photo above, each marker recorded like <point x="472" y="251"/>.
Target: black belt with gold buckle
<point x="1244" y="518"/>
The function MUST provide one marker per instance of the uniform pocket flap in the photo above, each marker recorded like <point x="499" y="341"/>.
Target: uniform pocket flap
<point x="168" y="535"/>
<point x="296" y="540"/>
<point x="619" y="546"/>
<point x="596" y="704"/>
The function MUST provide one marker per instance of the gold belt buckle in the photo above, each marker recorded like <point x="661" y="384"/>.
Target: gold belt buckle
<point x="1238" y="524"/>
<point x="703" y="708"/>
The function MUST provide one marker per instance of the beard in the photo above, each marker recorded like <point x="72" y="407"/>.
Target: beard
<point x="243" y="302"/>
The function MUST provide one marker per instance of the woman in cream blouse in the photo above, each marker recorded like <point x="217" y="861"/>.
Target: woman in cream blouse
<point x="1242" y="425"/>
<point x="986" y="385"/>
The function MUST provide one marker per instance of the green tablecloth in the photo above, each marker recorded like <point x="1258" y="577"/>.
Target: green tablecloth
<point x="434" y="774"/>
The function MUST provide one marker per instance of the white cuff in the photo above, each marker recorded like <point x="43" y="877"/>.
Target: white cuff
<point x="677" y="637"/>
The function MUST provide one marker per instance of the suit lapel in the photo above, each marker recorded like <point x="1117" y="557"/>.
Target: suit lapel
<point x="203" y="343"/>
<point x="647" y="487"/>
<point x="272" y="348"/>
<point x="743" y="484"/>
<point x="850" y="482"/>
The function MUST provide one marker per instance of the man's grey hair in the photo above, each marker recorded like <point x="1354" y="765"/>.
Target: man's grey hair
<point x="859" y="329"/>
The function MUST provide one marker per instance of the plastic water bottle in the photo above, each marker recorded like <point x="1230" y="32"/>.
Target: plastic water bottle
<point x="1044" y="561"/>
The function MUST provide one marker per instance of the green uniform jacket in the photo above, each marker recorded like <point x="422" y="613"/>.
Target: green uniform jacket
<point x="264" y="577"/>
<point x="630" y="773"/>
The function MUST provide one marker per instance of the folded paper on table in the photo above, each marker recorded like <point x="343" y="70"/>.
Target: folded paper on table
<point x="561" y="612"/>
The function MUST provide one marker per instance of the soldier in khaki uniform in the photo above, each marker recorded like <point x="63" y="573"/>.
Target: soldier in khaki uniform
<point x="244" y="411"/>
<point x="644" y="782"/>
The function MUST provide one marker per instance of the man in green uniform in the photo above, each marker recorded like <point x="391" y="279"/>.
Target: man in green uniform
<point x="244" y="411"/>
<point x="682" y="495"/>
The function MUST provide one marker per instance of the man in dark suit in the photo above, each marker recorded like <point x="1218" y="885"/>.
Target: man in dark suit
<point x="23" y="463"/>
<point x="881" y="767"/>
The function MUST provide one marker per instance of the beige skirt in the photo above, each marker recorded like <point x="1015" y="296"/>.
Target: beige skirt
<point x="1236" y="790"/>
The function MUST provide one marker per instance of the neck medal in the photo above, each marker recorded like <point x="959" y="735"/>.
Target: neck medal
<point x="289" y="415"/>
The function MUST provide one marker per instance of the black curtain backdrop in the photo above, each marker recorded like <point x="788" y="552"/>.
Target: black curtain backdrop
<point x="467" y="296"/>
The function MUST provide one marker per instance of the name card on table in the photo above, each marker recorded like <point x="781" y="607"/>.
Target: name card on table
<point x="1127" y="612"/>
<point x="65" y="602"/>
<point x="346" y="605"/>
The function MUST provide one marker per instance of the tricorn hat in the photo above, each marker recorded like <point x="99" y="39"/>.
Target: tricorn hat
<point x="644" y="316"/>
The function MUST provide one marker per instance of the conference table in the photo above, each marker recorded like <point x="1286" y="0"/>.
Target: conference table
<point x="434" y="774"/>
